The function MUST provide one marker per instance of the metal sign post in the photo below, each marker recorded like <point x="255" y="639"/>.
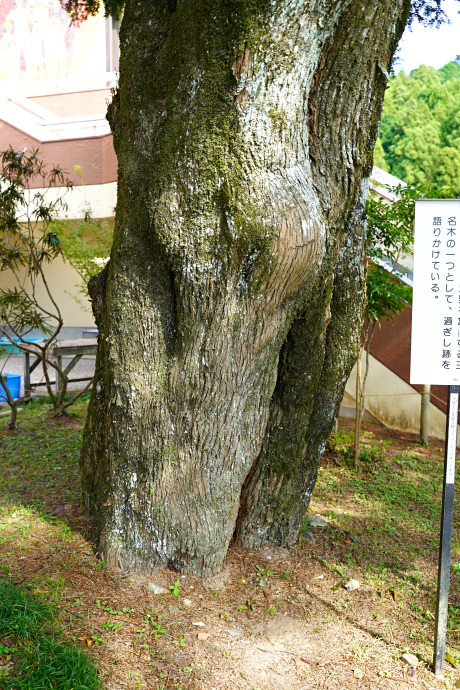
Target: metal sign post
<point x="435" y="358"/>
<point x="445" y="542"/>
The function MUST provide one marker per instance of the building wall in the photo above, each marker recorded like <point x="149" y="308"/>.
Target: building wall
<point x="94" y="155"/>
<point x="392" y="401"/>
<point x="63" y="281"/>
<point x="82" y="103"/>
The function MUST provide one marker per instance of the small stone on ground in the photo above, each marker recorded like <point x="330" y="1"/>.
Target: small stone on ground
<point x="308" y="536"/>
<point x="156" y="589"/>
<point x="352" y="585"/>
<point x="410" y="659"/>
<point x="318" y="521"/>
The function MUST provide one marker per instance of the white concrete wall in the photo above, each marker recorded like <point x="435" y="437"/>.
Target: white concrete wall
<point x="62" y="280"/>
<point x="393" y="401"/>
<point x="99" y="199"/>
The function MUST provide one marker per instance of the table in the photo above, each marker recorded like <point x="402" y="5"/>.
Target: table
<point x="63" y="348"/>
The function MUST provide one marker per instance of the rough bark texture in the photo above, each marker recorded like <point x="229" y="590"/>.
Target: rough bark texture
<point x="230" y="308"/>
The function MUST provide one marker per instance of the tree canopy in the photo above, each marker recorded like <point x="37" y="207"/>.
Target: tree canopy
<point x="429" y="12"/>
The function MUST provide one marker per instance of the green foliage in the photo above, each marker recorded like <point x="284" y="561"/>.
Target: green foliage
<point x="420" y="129"/>
<point x="175" y="588"/>
<point x="30" y="237"/>
<point x="47" y="663"/>
<point x="389" y="234"/>
<point x="390" y="225"/>
<point x="344" y="452"/>
<point x="29" y="240"/>
<point x="86" y="245"/>
<point x="42" y="450"/>
<point x="449" y="71"/>
<point x="80" y="11"/>
<point x="386" y="295"/>
<point x="428" y="12"/>
<point x="379" y="156"/>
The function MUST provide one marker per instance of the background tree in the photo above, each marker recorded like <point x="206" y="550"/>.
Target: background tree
<point x="230" y="309"/>
<point x="389" y="236"/>
<point x="420" y="129"/>
<point x="86" y="245"/>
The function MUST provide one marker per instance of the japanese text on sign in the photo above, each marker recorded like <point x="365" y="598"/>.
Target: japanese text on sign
<point x="435" y="356"/>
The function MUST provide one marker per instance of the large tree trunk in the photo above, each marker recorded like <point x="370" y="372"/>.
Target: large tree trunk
<point x="229" y="311"/>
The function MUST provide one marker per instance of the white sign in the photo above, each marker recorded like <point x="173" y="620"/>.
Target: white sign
<point x="435" y="350"/>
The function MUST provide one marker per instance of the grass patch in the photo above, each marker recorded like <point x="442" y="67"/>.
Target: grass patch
<point x="45" y="471"/>
<point x="39" y="659"/>
<point x="21" y="615"/>
<point x="38" y="479"/>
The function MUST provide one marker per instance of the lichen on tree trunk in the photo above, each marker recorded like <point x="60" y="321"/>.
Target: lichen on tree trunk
<point x="229" y="310"/>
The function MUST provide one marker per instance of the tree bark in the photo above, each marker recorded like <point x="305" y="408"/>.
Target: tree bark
<point x="230" y="308"/>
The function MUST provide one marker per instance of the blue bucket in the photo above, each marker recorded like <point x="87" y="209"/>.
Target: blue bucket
<point x="13" y="383"/>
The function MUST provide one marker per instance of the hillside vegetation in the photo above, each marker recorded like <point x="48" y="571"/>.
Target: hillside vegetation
<point x="419" y="138"/>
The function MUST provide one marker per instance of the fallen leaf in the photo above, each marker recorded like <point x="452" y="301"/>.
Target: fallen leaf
<point x="203" y="636"/>
<point x="87" y="640"/>
<point x="393" y="594"/>
<point x="346" y="541"/>
<point x="450" y="659"/>
<point x="265" y="594"/>
<point x="457" y="683"/>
